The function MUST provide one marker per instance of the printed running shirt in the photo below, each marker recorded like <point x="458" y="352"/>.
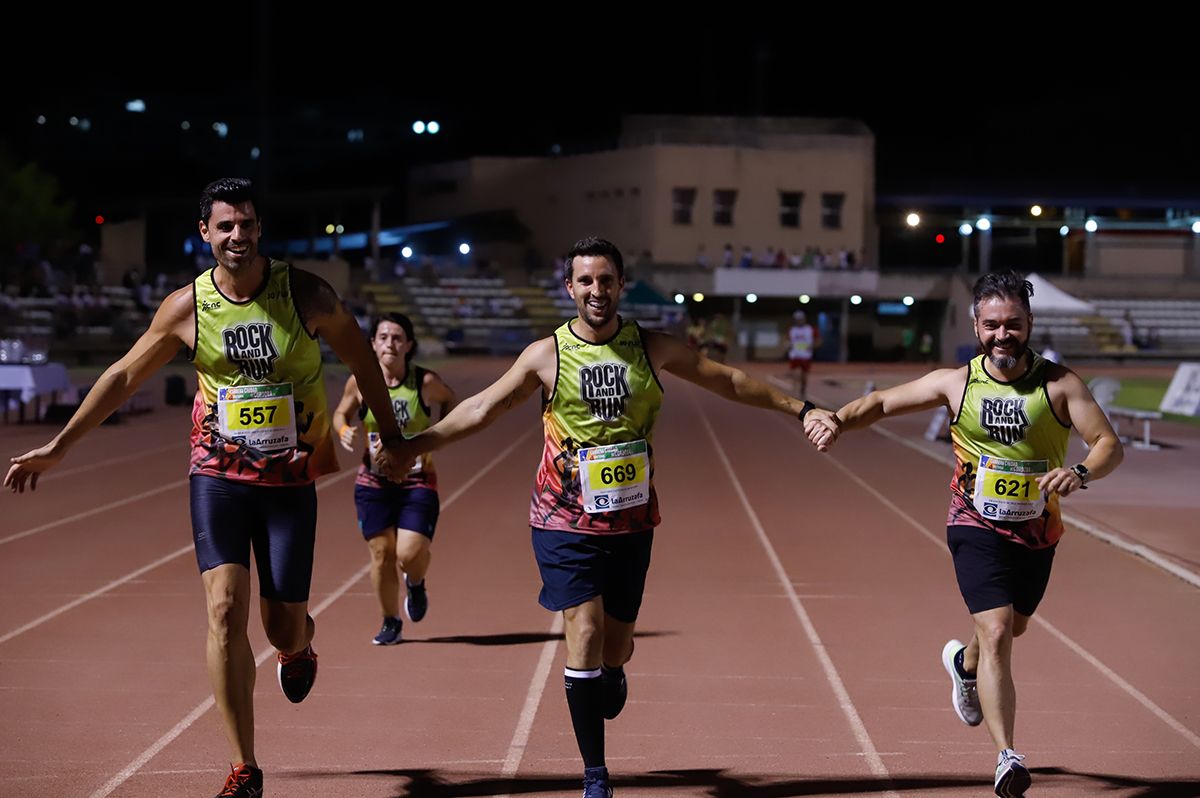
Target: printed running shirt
<point x="605" y="401"/>
<point x="1005" y="437"/>
<point x="260" y="413"/>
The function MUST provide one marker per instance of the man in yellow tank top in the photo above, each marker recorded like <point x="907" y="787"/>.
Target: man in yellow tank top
<point x="593" y="510"/>
<point x="1012" y="414"/>
<point x="260" y="437"/>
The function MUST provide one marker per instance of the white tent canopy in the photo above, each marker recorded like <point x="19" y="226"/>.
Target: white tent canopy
<point x="1049" y="298"/>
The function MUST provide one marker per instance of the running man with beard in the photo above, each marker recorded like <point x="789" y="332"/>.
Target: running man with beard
<point x="594" y="508"/>
<point x="1013" y="412"/>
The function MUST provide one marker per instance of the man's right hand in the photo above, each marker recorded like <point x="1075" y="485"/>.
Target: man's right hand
<point x="390" y="458"/>
<point x="346" y="437"/>
<point x="28" y="466"/>
<point x="822" y="428"/>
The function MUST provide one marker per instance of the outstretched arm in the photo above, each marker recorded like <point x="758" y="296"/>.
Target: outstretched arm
<point x="670" y="354"/>
<point x="534" y="369"/>
<point x="171" y="328"/>
<point x="937" y="388"/>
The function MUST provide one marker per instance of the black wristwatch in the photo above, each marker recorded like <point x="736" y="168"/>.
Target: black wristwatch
<point x="804" y="410"/>
<point x="1080" y="470"/>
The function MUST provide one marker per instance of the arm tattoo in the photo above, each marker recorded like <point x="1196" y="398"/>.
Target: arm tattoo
<point x="513" y="398"/>
<point x="314" y="299"/>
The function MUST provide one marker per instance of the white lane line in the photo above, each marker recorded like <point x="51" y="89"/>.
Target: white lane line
<point x="203" y="707"/>
<point x="180" y="446"/>
<point x="533" y="698"/>
<point x="137" y="497"/>
<point x="1083" y="524"/>
<point x="1087" y="656"/>
<point x="100" y="591"/>
<point x="867" y="747"/>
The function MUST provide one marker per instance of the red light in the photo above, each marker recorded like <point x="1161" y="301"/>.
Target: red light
<point x="99" y="219"/>
<point x="941" y="239"/>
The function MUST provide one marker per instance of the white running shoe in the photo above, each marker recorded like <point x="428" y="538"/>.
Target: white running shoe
<point x="963" y="695"/>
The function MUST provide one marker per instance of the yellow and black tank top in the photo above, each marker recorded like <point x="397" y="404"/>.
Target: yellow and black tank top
<point x="1010" y="430"/>
<point x="604" y="393"/>
<point x="260" y="413"/>
<point x="412" y="416"/>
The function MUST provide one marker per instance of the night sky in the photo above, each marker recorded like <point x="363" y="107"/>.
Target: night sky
<point x="952" y="116"/>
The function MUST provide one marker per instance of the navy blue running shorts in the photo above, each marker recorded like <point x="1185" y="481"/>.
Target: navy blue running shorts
<point x="994" y="572"/>
<point x="576" y="568"/>
<point x="278" y="521"/>
<point x="379" y="509"/>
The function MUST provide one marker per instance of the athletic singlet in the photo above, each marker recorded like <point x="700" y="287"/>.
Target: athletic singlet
<point x="412" y="416"/>
<point x="1005" y="436"/>
<point x="260" y="413"/>
<point x="598" y="419"/>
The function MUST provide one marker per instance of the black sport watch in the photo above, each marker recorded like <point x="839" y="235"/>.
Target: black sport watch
<point x="1080" y="470"/>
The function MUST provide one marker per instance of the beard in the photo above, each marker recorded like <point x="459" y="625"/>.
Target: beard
<point x="597" y="319"/>
<point x="1018" y="349"/>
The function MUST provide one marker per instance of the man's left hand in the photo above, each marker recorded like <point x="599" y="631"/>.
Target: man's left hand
<point x="1062" y="481"/>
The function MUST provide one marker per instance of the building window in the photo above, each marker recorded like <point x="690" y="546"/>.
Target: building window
<point x="682" y="202"/>
<point x="831" y="211"/>
<point x="723" y="201"/>
<point x="789" y="208"/>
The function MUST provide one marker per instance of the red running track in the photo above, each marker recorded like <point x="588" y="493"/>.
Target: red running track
<point x="789" y="643"/>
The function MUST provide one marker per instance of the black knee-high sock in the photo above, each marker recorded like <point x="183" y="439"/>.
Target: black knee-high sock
<point x="585" y="699"/>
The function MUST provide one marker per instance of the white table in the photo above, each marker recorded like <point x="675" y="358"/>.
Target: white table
<point x="30" y="384"/>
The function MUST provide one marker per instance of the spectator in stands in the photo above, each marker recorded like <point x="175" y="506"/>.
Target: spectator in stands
<point x="1128" y="331"/>
<point x="727" y="257"/>
<point x="701" y="257"/>
<point x="747" y="260"/>
<point x="1048" y="350"/>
